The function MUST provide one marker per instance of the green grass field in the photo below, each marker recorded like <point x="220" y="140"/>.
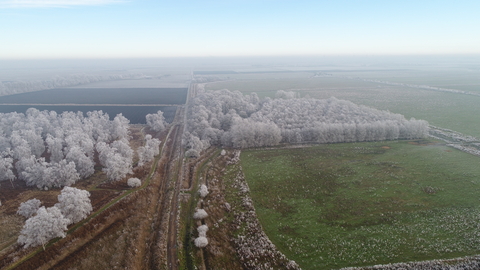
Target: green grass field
<point x="355" y="204"/>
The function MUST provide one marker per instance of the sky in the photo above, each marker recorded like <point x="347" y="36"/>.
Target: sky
<point x="85" y="29"/>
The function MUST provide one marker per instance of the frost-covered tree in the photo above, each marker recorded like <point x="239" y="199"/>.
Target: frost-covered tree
<point x="120" y="127"/>
<point x="29" y="208"/>
<point x="46" y="175"/>
<point x="39" y="141"/>
<point x="47" y="224"/>
<point x="6" y="166"/>
<point x="123" y="148"/>
<point x="74" y="204"/>
<point x="55" y="148"/>
<point x="60" y="174"/>
<point x="200" y="214"/>
<point x="156" y="121"/>
<point x="34" y="175"/>
<point x="134" y="182"/>
<point x="83" y="164"/>
<point x="34" y="140"/>
<point x="203" y="191"/>
<point x="117" y="159"/>
<point x="149" y="151"/>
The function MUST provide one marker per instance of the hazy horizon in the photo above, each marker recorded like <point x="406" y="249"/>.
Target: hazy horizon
<point x="110" y="29"/>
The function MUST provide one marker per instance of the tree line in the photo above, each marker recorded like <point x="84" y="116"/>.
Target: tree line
<point x="231" y="119"/>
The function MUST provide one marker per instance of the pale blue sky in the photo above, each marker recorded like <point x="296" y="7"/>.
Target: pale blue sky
<point x="149" y="28"/>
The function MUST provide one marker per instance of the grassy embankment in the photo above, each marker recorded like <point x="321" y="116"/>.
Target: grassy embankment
<point x="332" y="206"/>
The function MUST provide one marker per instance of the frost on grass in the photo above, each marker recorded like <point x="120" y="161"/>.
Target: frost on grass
<point x="253" y="246"/>
<point x="466" y="263"/>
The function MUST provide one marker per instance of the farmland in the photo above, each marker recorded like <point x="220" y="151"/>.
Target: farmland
<point x="133" y="103"/>
<point x="333" y="206"/>
<point x="101" y="96"/>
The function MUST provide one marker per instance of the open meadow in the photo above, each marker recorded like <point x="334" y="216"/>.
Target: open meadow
<point x="355" y="204"/>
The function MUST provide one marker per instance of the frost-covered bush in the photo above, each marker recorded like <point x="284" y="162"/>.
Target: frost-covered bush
<point x="201" y="242"/>
<point x="29" y="208"/>
<point x="134" y="182"/>
<point x="202" y="230"/>
<point x="200" y="214"/>
<point x="203" y="191"/>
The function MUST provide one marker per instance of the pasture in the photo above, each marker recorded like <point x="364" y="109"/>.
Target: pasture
<point x="357" y="204"/>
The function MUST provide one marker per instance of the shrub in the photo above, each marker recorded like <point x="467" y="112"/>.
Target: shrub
<point x="200" y="214"/>
<point x="201" y="242"/>
<point x="203" y="191"/>
<point x="134" y="182"/>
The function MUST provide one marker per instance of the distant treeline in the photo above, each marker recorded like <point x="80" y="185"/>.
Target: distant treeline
<point x="15" y="87"/>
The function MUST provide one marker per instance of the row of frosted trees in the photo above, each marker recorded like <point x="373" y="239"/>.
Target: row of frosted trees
<point x="232" y="119"/>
